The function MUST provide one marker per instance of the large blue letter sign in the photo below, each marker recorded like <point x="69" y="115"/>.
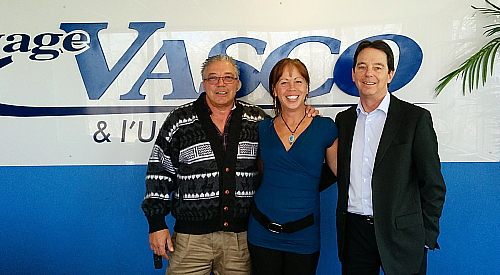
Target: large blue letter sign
<point x="179" y="72"/>
<point x="94" y="69"/>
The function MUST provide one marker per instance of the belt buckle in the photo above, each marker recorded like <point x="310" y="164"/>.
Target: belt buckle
<point x="278" y="228"/>
<point x="369" y="219"/>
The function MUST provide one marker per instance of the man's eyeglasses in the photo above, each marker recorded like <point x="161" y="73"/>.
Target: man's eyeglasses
<point x="226" y="79"/>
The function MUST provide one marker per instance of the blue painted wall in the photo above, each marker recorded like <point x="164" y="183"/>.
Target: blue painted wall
<point x="87" y="220"/>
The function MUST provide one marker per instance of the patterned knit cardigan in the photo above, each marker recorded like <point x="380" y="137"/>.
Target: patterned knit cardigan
<point x="190" y="175"/>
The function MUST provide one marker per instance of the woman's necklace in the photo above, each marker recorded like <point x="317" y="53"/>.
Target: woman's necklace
<point x="291" y="138"/>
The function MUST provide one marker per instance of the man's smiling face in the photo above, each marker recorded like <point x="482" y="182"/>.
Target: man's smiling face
<point x="371" y="73"/>
<point x="220" y="94"/>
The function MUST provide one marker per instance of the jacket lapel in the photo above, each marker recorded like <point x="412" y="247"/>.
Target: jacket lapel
<point x="346" y="136"/>
<point x="391" y="127"/>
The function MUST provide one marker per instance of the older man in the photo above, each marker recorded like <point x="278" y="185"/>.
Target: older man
<point x="203" y="170"/>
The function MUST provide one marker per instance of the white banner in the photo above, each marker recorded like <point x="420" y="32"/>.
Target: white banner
<point x="91" y="82"/>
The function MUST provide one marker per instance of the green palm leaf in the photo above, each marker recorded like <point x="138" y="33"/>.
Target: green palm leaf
<point x="495" y="11"/>
<point x="492" y="29"/>
<point x="475" y="68"/>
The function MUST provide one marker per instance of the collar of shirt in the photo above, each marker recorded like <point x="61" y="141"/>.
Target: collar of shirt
<point x="223" y="135"/>
<point x="383" y="106"/>
<point x="210" y="110"/>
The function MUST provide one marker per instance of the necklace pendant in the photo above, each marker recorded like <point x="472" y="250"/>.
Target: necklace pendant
<point x="291" y="138"/>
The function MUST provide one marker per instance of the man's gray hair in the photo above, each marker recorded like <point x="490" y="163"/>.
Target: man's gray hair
<point x="219" y="57"/>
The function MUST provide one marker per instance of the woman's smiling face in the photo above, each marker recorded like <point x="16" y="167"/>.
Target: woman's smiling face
<point x="291" y="89"/>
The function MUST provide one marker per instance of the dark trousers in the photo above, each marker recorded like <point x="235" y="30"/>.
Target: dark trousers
<point x="275" y="262"/>
<point x="361" y="253"/>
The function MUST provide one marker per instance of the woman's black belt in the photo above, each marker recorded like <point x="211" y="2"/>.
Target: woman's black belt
<point x="289" y="227"/>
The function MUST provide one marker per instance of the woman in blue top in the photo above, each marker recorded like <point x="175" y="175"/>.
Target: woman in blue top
<point x="283" y="231"/>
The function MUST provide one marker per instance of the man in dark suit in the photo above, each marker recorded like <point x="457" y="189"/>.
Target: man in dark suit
<point x="390" y="187"/>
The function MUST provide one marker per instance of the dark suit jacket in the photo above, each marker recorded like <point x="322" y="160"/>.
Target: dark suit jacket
<point x="407" y="186"/>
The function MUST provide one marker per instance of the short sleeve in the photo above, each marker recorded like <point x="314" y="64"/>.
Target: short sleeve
<point x="330" y="128"/>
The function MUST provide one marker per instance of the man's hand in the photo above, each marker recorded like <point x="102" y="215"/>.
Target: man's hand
<point x="311" y="111"/>
<point x="160" y="241"/>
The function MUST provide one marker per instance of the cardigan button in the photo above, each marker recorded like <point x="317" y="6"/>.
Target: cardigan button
<point x="227" y="169"/>
<point x="226" y="208"/>
<point x="226" y="224"/>
<point x="227" y="192"/>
